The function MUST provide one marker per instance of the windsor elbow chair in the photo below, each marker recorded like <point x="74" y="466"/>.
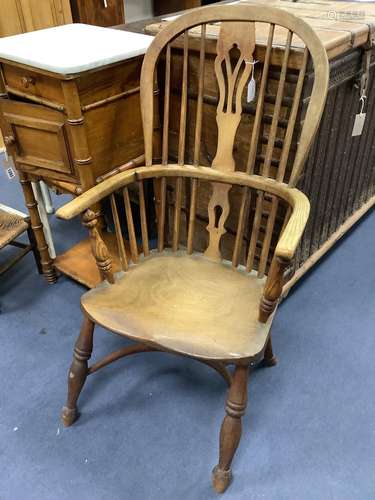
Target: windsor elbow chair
<point x="174" y="297"/>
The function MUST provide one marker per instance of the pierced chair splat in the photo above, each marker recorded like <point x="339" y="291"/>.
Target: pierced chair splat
<point x="181" y="294"/>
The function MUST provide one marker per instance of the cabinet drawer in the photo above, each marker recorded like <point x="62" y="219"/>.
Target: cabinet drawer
<point x="31" y="84"/>
<point x="39" y="136"/>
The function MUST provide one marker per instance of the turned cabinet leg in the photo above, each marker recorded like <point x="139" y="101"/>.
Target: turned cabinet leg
<point x="78" y="371"/>
<point x="269" y="358"/>
<point x="230" y="433"/>
<point x="37" y="228"/>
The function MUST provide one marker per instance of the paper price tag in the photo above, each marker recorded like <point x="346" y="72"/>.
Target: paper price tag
<point x="251" y="86"/>
<point x="9" y="167"/>
<point x="251" y="89"/>
<point x="10" y="173"/>
<point x="359" y="123"/>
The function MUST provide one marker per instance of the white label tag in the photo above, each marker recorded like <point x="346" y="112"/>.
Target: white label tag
<point x="9" y="167"/>
<point x="10" y="173"/>
<point x="251" y="89"/>
<point x="359" y="123"/>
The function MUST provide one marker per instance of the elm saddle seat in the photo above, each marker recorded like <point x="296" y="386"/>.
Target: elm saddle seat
<point x="186" y="296"/>
<point x="185" y="303"/>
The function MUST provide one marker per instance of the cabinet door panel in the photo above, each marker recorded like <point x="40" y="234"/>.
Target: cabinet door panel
<point x="40" y="136"/>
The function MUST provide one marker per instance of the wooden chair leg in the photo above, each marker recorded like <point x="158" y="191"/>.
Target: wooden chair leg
<point x="230" y="433"/>
<point x="269" y="358"/>
<point x="78" y="371"/>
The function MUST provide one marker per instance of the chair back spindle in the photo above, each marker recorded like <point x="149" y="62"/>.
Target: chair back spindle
<point x="246" y="50"/>
<point x="130" y="225"/>
<point x="119" y="236"/>
<point x="231" y="116"/>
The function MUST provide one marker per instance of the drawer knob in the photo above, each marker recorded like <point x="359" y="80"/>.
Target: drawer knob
<point x="27" y="81"/>
<point x="9" y="140"/>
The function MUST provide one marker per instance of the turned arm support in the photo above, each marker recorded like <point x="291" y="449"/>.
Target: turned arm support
<point x="284" y="253"/>
<point x="82" y="204"/>
<point x="98" y="246"/>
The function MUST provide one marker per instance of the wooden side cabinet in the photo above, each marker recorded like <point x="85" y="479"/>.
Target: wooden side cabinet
<point x="70" y="128"/>
<point x="68" y="131"/>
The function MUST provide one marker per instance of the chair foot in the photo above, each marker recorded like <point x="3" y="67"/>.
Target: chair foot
<point x="269" y="358"/>
<point x="270" y="361"/>
<point x="230" y="433"/>
<point x="221" y="479"/>
<point x="69" y="416"/>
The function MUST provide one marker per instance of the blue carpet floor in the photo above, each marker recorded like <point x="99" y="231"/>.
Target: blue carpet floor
<point x="149" y="425"/>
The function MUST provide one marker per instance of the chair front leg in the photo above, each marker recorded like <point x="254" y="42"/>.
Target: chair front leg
<point x="230" y="433"/>
<point x="78" y="371"/>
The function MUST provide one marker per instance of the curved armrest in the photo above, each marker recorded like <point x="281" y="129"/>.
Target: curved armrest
<point x="293" y="231"/>
<point x="284" y="252"/>
<point x="95" y="194"/>
<point x="297" y="200"/>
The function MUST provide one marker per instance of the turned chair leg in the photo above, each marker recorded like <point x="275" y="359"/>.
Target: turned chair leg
<point x="269" y="358"/>
<point x="230" y="433"/>
<point x="78" y="371"/>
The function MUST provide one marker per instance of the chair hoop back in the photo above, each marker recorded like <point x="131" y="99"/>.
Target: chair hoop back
<point x="239" y="26"/>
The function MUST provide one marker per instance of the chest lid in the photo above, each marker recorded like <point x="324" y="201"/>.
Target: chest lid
<point x="341" y="25"/>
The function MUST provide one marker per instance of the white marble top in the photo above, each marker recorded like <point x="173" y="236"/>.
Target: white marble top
<point x="73" y="48"/>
